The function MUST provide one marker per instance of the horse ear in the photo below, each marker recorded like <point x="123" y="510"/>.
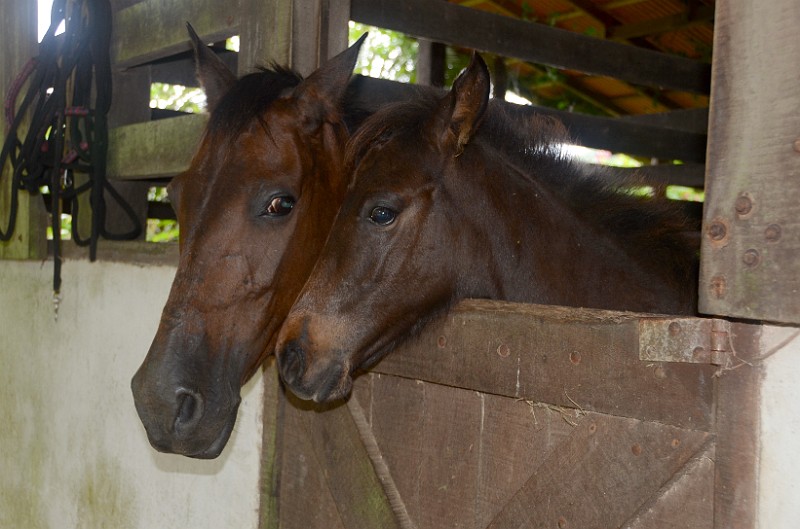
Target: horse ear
<point x="323" y="90"/>
<point x="464" y="107"/>
<point x="214" y="76"/>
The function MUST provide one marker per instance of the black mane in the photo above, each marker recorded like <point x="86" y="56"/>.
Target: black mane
<point x="249" y="97"/>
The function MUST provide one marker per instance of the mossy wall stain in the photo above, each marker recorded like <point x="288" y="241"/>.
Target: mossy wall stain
<point x="23" y="452"/>
<point x="104" y="498"/>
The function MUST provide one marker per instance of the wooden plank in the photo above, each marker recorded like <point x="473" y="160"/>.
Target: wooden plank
<point x="18" y="42"/>
<point x="154" y="29"/>
<point x="156" y="149"/>
<point x="274" y="430"/>
<point x="130" y="104"/>
<point x="693" y="120"/>
<point x="456" y="456"/>
<point x="608" y="468"/>
<point x="538" y="43"/>
<point x="751" y="255"/>
<point x="303" y="494"/>
<point x="351" y="480"/>
<point x="613" y="134"/>
<point x="738" y="432"/>
<point x="181" y="68"/>
<point x="266" y="33"/>
<point x="685" y="502"/>
<point x="649" y="28"/>
<point x="562" y="356"/>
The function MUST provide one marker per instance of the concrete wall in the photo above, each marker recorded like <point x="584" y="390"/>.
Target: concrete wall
<point x="779" y="457"/>
<point x="72" y="450"/>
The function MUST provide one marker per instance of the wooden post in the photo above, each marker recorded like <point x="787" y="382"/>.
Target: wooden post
<point x="18" y="42"/>
<point x="430" y="63"/>
<point x="750" y="266"/>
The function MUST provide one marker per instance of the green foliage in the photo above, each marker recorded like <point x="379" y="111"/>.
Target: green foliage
<point x="160" y="230"/>
<point x="386" y="54"/>
<point x="176" y="97"/>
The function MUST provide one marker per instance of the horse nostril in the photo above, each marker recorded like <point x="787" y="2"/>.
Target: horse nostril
<point x="190" y="410"/>
<point x="292" y="363"/>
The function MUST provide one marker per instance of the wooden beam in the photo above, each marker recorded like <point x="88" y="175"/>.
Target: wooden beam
<point x="556" y="355"/>
<point x="18" y="42"/>
<point x="648" y="28"/>
<point x="153" y="29"/>
<point x="694" y="120"/>
<point x="750" y="264"/>
<point x="155" y="149"/>
<point x="445" y="22"/>
<point x="591" y="131"/>
<point x="430" y="63"/>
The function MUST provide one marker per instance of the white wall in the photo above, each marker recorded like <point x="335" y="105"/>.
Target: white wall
<point x="779" y="458"/>
<point x="72" y="450"/>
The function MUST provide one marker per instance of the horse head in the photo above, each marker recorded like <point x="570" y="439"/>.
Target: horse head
<point x="254" y="208"/>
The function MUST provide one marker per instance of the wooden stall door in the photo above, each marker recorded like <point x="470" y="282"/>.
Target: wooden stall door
<point x="527" y="417"/>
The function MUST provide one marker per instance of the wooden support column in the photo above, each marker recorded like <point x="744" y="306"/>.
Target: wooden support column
<point x="18" y="42"/>
<point x="299" y="33"/>
<point x="751" y="246"/>
<point x="430" y="63"/>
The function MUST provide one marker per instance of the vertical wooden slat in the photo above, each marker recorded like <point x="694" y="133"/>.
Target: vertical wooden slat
<point x="737" y="429"/>
<point x="431" y="63"/>
<point x="751" y="248"/>
<point x="130" y="104"/>
<point x="18" y="45"/>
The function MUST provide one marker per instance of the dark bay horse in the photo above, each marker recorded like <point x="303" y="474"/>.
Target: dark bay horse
<point x="455" y="197"/>
<point x="254" y="209"/>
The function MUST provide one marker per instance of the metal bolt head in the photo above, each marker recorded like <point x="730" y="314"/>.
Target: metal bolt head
<point x="503" y="350"/>
<point x="751" y="258"/>
<point x="718" y="286"/>
<point x="773" y="232"/>
<point x="743" y="205"/>
<point x="717" y="231"/>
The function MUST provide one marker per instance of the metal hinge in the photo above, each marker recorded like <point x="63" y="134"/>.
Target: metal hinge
<point x="694" y="340"/>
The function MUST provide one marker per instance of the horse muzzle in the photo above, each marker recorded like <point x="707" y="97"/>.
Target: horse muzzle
<point x="321" y="381"/>
<point x="182" y="420"/>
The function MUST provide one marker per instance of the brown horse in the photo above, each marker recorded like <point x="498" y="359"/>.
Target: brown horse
<point x="254" y="208"/>
<point x="455" y="197"/>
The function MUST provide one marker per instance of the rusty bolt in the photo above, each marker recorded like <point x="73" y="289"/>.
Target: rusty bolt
<point x="676" y="443"/>
<point x="674" y="328"/>
<point x="636" y="449"/>
<point x="751" y="258"/>
<point x="699" y="354"/>
<point x="562" y="522"/>
<point x="719" y="286"/>
<point x="592" y="428"/>
<point x="743" y="205"/>
<point x="441" y="342"/>
<point x="575" y="357"/>
<point x="717" y="231"/>
<point x="773" y="232"/>
<point x="503" y="350"/>
<point x="660" y="372"/>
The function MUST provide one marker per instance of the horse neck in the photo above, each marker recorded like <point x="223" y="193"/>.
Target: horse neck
<point x="540" y="251"/>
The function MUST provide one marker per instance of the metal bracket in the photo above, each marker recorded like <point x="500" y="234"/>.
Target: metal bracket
<point x="692" y="340"/>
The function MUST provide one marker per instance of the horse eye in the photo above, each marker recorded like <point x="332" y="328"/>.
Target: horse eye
<point x="382" y="216"/>
<point x="279" y="206"/>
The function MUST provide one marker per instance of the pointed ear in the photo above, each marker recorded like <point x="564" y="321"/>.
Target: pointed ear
<point x="322" y="92"/>
<point x="214" y="76"/>
<point x="462" y="110"/>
